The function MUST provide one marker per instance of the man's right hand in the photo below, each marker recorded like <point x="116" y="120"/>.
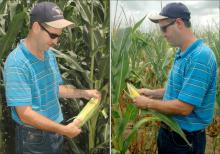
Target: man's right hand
<point x="71" y="130"/>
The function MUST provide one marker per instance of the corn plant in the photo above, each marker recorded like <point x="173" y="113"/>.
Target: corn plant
<point x="158" y="58"/>
<point x="121" y="43"/>
<point x="87" y="66"/>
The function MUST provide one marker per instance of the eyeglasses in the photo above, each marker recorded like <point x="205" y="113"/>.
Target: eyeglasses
<point x="164" y="28"/>
<point x="52" y="35"/>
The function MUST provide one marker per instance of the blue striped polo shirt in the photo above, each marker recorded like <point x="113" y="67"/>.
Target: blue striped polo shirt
<point x="30" y="81"/>
<point x="192" y="80"/>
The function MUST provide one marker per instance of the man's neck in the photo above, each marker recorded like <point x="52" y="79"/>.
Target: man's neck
<point x="187" y="41"/>
<point x="30" y="43"/>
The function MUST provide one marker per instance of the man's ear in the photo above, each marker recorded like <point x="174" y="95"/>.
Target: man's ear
<point x="35" y="27"/>
<point x="180" y="24"/>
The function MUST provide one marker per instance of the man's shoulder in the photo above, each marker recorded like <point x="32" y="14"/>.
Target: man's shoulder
<point x="16" y="58"/>
<point x="203" y="54"/>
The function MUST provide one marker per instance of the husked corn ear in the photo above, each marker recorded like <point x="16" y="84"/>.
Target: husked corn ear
<point x="87" y="112"/>
<point x="132" y="90"/>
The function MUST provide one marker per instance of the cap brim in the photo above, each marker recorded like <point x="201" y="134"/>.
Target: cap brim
<point x="62" y="23"/>
<point x="156" y="18"/>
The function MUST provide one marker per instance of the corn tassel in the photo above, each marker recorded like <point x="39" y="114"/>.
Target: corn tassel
<point x="132" y="90"/>
<point x="88" y="111"/>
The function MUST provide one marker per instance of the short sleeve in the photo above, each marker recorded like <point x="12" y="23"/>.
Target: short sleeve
<point x="17" y="86"/>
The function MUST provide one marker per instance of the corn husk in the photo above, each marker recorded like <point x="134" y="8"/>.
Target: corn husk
<point x="132" y="90"/>
<point x="88" y="111"/>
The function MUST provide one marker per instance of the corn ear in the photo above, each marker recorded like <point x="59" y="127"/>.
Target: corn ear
<point x="88" y="111"/>
<point x="132" y="90"/>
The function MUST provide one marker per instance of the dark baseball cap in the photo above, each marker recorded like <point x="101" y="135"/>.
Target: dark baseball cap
<point x="50" y="14"/>
<point x="173" y="11"/>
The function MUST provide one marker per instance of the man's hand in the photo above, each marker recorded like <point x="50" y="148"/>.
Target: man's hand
<point x="32" y="118"/>
<point x="142" y="102"/>
<point x="146" y="92"/>
<point x="88" y="94"/>
<point x="71" y="130"/>
<point x="155" y="94"/>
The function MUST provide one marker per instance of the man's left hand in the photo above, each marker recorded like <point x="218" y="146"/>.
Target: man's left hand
<point x="142" y="101"/>
<point x="88" y="94"/>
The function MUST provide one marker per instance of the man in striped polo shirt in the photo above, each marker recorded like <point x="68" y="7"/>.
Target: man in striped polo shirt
<point x="33" y="85"/>
<point x="190" y="91"/>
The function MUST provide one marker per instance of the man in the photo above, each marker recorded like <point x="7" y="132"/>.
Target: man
<point x="189" y="95"/>
<point x="33" y="85"/>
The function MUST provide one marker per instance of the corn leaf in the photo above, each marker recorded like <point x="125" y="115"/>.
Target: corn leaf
<point x="134" y="130"/>
<point x="14" y="28"/>
<point x="167" y="120"/>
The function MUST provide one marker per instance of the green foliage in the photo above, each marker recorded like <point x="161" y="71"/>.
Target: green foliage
<point x="130" y="50"/>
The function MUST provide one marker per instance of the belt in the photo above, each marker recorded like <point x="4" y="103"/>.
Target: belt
<point x="23" y="125"/>
<point x="166" y="127"/>
<point x="30" y="128"/>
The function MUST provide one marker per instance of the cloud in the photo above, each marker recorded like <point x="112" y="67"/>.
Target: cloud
<point x="204" y="8"/>
<point x="202" y="12"/>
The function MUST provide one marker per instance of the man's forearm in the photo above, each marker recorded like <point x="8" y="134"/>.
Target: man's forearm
<point x="173" y="107"/>
<point x="67" y="91"/>
<point x="34" y="119"/>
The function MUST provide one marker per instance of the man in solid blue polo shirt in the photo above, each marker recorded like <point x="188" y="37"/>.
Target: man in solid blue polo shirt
<point x="190" y="91"/>
<point x="33" y="85"/>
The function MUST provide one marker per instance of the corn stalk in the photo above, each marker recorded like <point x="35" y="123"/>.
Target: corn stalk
<point x="121" y="43"/>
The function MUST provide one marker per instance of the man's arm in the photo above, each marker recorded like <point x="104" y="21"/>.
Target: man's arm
<point x="156" y="93"/>
<point x="32" y="118"/>
<point x="174" y="107"/>
<point x="67" y="91"/>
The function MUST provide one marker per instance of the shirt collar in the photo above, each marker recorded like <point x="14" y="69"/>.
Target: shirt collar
<point x="31" y="57"/>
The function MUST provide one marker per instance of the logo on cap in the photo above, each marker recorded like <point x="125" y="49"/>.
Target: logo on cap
<point x="56" y="9"/>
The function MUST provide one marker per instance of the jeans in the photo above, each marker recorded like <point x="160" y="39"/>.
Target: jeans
<point x="170" y="142"/>
<point x="34" y="141"/>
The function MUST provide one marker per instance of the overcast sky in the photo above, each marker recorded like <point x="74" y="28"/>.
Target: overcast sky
<point x="203" y="13"/>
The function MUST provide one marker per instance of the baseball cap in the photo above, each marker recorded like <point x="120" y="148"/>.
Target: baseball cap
<point x="50" y="14"/>
<point x="173" y="11"/>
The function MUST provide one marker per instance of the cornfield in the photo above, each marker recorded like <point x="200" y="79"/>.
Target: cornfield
<point x="144" y="59"/>
<point x="137" y="59"/>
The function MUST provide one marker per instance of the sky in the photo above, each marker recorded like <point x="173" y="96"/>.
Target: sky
<point x="203" y="13"/>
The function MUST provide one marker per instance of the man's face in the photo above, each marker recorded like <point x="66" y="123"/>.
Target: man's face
<point x="169" y="31"/>
<point x="48" y="36"/>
